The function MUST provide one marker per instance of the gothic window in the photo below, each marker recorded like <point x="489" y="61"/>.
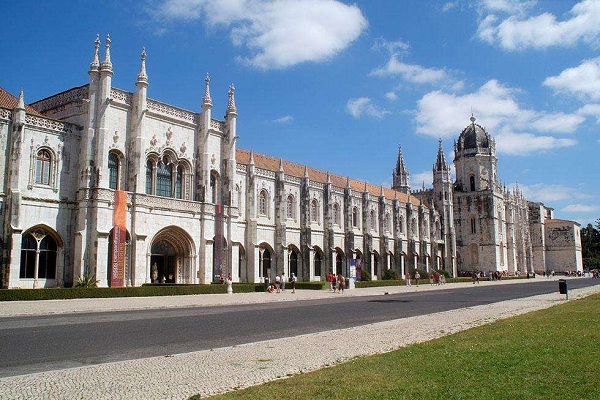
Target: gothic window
<point x="336" y="214"/>
<point x="314" y="211"/>
<point x="401" y="223"/>
<point x="262" y="202"/>
<point x="355" y="217"/>
<point x="214" y="178"/>
<point x="164" y="177"/>
<point x="149" y="168"/>
<point x="386" y="222"/>
<point x="473" y="225"/>
<point x="113" y="170"/>
<point x="179" y="183"/>
<point x="290" y="207"/>
<point x="42" y="167"/>
<point x="372" y="219"/>
<point x="472" y="183"/>
<point x="40" y="249"/>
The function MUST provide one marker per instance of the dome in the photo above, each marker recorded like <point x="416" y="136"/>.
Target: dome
<point x="473" y="137"/>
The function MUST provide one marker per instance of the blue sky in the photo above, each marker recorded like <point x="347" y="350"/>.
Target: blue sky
<point x="338" y="85"/>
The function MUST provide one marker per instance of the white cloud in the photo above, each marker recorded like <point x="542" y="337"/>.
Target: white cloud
<point x="582" y="208"/>
<point x="391" y="96"/>
<point x="519" y="32"/>
<point x="548" y="193"/>
<point x="417" y="180"/>
<point x="278" y="33"/>
<point x="582" y="81"/>
<point x="449" y="5"/>
<point x="286" y="119"/>
<point x="364" y="106"/>
<point x="442" y="114"/>
<point x="412" y="73"/>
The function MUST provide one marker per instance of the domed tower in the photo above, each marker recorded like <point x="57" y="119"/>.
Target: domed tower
<point x="478" y="202"/>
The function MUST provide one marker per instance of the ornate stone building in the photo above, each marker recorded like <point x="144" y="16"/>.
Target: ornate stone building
<point x="110" y="183"/>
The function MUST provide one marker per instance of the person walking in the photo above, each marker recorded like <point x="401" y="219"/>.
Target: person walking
<point x="293" y="283"/>
<point x="331" y="280"/>
<point x="417" y="277"/>
<point x="407" y="279"/>
<point x="283" y="281"/>
<point x="278" y="283"/>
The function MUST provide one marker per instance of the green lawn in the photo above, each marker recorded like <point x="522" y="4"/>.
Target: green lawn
<point x="548" y="354"/>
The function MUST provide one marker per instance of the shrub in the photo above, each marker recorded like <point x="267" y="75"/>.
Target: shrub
<point x="87" y="280"/>
<point x="442" y="272"/>
<point x="391" y="274"/>
<point x="365" y="275"/>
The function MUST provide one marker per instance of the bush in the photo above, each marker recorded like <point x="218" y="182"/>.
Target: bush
<point x="391" y="274"/>
<point x="87" y="280"/>
<point x="442" y="272"/>
<point x="368" y="284"/>
<point x="365" y="275"/>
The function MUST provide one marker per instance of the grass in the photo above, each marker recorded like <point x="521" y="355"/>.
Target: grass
<point x="548" y="354"/>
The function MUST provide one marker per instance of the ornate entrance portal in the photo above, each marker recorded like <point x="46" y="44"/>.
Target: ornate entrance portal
<point x="172" y="257"/>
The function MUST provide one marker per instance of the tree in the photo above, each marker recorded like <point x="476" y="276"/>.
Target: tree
<point x="590" y="245"/>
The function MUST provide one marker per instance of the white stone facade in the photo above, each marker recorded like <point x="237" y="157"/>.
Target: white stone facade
<point x="186" y="185"/>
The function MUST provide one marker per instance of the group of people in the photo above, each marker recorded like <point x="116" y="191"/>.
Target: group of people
<point x="279" y="285"/>
<point x="337" y="283"/>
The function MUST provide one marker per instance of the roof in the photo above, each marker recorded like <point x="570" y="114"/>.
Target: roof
<point x="289" y="168"/>
<point x="560" y="221"/>
<point x="9" y="102"/>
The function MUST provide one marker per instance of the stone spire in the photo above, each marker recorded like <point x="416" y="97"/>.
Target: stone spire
<point x="207" y="101"/>
<point x="306" y="171"/>
<point x="441" y="164"/>
<point x="142" y="77"/>
<point x="401" y="175"/>
<point x="328" y="179"/>
<point x="281" y="165"/>
<point x="251" y="158"/>
<point x="231" y="108"/>
<point x="95" y="61"/>
<point x="107" y="64"/>
<point x="21" y="104"/>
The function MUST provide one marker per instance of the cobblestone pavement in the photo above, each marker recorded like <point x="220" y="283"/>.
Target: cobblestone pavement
<point x="219" y="370"/>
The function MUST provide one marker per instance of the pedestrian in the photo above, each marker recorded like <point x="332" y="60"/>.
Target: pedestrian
<point x="293" y="283"/>
<point x="474" y="277"/>
<point x="417" y="277"/>
<point x="478" y="276"/>
<point x="342" y="283"/>
<point x="277" y="283"/>
<point x="407" y="279"/>
<point x="331" y="280"/>
<point x="267" y="283"/>
<point x="283" y="281"/>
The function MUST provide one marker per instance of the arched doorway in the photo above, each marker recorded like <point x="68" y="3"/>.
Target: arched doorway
<point x="294" y="257"/>
<point x="318" y="262"/>
<point x="171" y="255"/>
<point x="376" y="271"/>
<point x="265" y="254"/>
<point x="339" y="262"/>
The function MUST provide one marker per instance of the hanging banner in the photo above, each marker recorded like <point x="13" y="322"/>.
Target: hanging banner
<point x="117" y="270"/>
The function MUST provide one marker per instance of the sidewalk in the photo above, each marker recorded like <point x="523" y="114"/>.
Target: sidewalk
<point x="56" y="307"/>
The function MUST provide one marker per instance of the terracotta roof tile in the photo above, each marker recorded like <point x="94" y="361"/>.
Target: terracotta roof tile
<point x="9" y="102"/>
<point x="272" y="164"/>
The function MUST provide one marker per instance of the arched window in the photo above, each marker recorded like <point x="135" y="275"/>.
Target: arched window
<point x="214" y="179"/>
<point x="290" y="207"/>
<point x="38" y="248"/>
<point x="386" y="222"/>
<point x="314" y="211"/>
<point x="336" y="214"/>
<point x="262" y="202"/>
<point x="472" y="183"/>
<point x="473" y="225"/>
<point x="42" y="167"/>
<point x="355" y="217"/>
<point x="265" y="260"/>
<point x="179" y="183"/>
<point x="164" y="177"/>
<point x="113" y="170"/>
<point x="401" y="223"/>
<point x="149" y="168"/>
<point x="293" y="262"/>
<point x="372" y="219"/>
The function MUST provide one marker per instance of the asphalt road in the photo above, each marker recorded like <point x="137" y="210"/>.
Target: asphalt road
<point x="34" y="344"/>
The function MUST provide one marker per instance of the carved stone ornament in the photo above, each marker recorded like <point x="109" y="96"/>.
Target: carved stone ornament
<point x="169" y="136"/>
<point x="183" y="148"/>
<point x="153" y="141"/>
<point x="116" y="137"/>
<point x="213" y="160"/>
